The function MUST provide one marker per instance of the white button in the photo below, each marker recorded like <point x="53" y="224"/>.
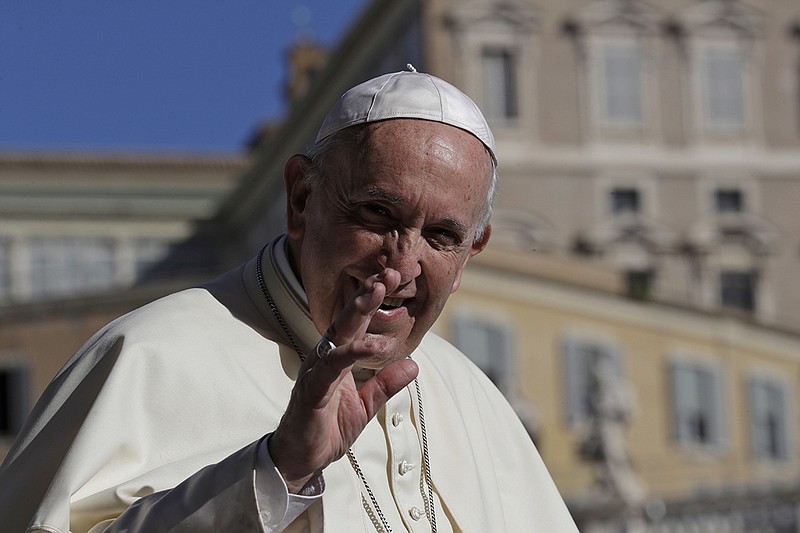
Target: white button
<point x="415" y="513"/>
<point x="266" y="516"/>
<point x="404" y="467"/>
<point x="396" y="419"/>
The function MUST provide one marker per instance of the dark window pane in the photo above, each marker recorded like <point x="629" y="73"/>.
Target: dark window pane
<point x="729" y="200"/>
<point x="625" y="200"/>
<point x="500" y="84"/>
<point x="13" y="400"/>
<point x="738" y="290"/>
<point x="640" y="284"/>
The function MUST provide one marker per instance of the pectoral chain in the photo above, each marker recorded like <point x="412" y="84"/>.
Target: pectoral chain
<point x="373" y="511"/>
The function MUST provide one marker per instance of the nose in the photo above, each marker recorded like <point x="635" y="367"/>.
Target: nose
<point x="402" y="253"/>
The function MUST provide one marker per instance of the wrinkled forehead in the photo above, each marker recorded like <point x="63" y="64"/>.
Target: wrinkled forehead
<point x="414" y="139"/>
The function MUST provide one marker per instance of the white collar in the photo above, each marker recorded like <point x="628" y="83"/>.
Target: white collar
<point x="281" y="256"/>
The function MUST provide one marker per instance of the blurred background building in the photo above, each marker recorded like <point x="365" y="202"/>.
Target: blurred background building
<point x="639" y="302"/>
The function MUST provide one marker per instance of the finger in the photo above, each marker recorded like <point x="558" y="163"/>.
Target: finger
<point x="327" y="373"/>
<point x="386" y="383"/>
<point x="352" y="322"/>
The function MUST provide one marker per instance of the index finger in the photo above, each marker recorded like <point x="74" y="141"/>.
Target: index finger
<point x="352" y="322"/>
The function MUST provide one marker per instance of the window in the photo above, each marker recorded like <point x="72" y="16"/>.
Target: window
<point x="65" y="266"/>
<point x="13" y="400"/>
<point x="723" y="78"/>
<point x="769" y="419"/>
<point x="581" y="359"/>
<point x="489" y="346"/>
<point x="737" y="290"/>
<point x="620" y="84"/>
<point x="148" y="252"/>
<point x="625" y="200"/>
<point x="639" y="284"/>
<point x="499" y="84"/>
<point x="697" y="403"/>
<point x="728" y="200"/>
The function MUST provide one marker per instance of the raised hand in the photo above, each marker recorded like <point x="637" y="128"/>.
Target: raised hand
<point x="327" y="411"/>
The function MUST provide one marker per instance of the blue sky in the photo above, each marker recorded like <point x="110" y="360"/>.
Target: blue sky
<point x="150" y="75"/>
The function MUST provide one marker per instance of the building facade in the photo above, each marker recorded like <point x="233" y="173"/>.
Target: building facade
<point x="661" y="139"/>
<point x="638" y="302"/>
<point x="73" y="224"/>
<point x="692" y="428"/>
<point x="660" y="142"/>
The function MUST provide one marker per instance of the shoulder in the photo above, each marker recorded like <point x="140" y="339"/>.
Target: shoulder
<point x="177" y="314"/>
<point x="188" y="326"/>
<point x="165" y="322"/>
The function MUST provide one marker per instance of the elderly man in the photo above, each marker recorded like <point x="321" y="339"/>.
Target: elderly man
<point x="302" y="391"/>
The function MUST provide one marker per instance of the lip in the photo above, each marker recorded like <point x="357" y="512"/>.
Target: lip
<point x="393" y="319"/>
<point x="391" y="314"/>
<point x="390" y="322"/>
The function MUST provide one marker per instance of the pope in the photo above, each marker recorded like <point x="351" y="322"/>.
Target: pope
<point x="303" y="390"/>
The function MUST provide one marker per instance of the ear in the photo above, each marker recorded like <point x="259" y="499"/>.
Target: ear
<point x="297" y="190"/>
<point x="476" y="248"/>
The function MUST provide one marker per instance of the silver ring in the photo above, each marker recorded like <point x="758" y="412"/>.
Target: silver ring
<point x="323" y="347"/>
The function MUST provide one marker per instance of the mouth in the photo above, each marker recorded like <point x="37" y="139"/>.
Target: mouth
<point x="392" y="303"/>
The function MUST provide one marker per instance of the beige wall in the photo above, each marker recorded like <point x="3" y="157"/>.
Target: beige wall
<point x="540" y="312"/>
<point x="558" y="163"/>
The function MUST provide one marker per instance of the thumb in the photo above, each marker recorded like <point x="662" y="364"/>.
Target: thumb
<point x="386" y="383"/>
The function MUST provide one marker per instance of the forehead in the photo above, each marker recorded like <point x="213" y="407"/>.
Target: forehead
<point x="427" y="152"/>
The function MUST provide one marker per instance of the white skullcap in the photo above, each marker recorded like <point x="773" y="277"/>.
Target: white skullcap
<point x="407" y="94"/>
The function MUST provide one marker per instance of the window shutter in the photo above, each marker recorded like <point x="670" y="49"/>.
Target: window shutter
<point x="783" y="422"/>
<point x="574" y="379"/>
<point x="716" y="414"/>
<point x="681" y="391"/>
<point x="488" y="345"/>
<point x="725" y="71"/>
<point x="757" y="406"/>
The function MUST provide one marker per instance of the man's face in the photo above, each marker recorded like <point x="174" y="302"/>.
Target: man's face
<point x="409" y="198"/>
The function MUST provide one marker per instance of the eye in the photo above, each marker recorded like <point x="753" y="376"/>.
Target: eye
<point x="374" y="215"/>
<point x="376" y="210"/>
<point x="444" y="238"/>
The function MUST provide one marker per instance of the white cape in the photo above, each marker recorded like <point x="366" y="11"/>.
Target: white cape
<point x="160" y="414"/>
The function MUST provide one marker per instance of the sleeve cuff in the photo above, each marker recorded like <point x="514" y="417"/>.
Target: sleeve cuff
<point x="277" y="508"/>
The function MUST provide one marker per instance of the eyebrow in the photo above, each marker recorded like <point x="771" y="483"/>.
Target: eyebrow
<point x="378" y="192"/>
<point x="458" y="226"/>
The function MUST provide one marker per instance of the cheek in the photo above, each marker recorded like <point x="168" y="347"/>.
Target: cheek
<point x="454" y="275"/>
<point x="440" y="278"/>
<point x="340" y="253"/>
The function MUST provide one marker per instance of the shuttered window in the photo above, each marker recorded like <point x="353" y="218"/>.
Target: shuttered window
<point x="581" y="356"/>
<point x="489" y="345"/>
<point x="697" y="403"/>
<point x="500" y="85"/>
<point x="620" y="83"/>
<point x="723" y="79"/>
<point x="769" y="419"/>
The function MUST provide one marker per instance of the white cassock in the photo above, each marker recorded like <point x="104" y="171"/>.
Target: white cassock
<point x="155" y="425"/>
